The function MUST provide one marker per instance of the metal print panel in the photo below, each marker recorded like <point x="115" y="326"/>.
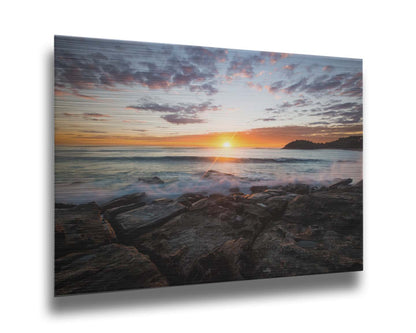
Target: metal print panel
<point x="179" y="165"/>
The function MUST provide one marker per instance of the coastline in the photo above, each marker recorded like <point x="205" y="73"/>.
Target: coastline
<point x="134" y="242"/>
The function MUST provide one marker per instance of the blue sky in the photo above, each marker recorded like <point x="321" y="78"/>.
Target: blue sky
<point x="142" y="93"/>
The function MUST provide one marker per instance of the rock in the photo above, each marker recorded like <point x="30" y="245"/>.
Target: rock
<point x="331" y="239"/>
<point x="213" y="173"/>
<point x="259" y="196"/>
<point x="124" y="203"/>
<point x="162" y="201"/>
<point x="107" y="268"/>
<point x="151" y="180"/>
<point x="64" y="205"/>
<point x="203" y="203"/>
<point x="258" y="210"/>
<point x="306" y="244"/>
<point x="257" y="189"/>
<point x="275" y="191"/>
<point x="341" y="212"/>
<point x="234" y="190"/>
<point x="276" y="206"/>
<point x="188" y="199"/>
<point x="224" y="263"/>
<point x="275" y="253"/>
<point x="79" y="228"/>
<point x="297" y="188"/>
<point x="132" y="223"/>
<point x="317" y="233"/>
<point x="343" y="182"/>
<point x="199" y="238"/>
<point x="192" y="236"/>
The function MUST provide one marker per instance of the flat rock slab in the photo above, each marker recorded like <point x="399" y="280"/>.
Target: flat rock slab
<point x="307" y="244"/>
<point x="343" y="182"/>
<point x="135" y="222"/>
<point x="196" y="246"/>
<point x="80" y="228"/>
<point x="124" y="203"/>
<point x="341" y="212"/>
<point x="107" y="268"/>
<point x="188" y="199"/>
<point x="151" y="180"/>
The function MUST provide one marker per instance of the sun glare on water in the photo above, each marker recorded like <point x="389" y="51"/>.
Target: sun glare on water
<point x="226" y="144"/>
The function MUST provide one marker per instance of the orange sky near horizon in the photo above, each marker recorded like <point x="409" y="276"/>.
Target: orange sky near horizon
<point x="256" y="138"/>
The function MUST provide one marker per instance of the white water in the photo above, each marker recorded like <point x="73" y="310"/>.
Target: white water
<point x="84" y="174"/>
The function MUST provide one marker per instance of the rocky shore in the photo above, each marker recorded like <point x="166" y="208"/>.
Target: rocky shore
<point x="133" y="242"/>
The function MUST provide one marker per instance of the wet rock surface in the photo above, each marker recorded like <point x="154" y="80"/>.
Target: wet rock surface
<point x="283" y="231"/>
<point x="81" y="227"/>
<point x="106" y="268"/>
<point x="123" y="204"/>
<point x="137" y="221"/>
<point x="151" y="180"/>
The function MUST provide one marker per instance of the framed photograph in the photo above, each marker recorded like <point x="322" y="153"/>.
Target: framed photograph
<point x="179" y="165"/>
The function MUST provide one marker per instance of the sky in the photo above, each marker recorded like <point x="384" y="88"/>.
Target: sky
<point x="110" y="92"/>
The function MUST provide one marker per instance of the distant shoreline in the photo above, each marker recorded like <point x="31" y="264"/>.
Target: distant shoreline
<point x="348" y="143"/>
<point x="193" y="147"/>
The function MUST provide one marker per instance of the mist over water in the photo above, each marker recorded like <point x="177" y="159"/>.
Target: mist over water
<point x="84" y="174"/>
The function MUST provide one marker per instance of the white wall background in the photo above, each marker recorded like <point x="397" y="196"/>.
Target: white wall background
<point x="379" y="299"/>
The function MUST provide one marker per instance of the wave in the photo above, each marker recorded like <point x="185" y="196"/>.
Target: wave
<point x="191" y="159"/>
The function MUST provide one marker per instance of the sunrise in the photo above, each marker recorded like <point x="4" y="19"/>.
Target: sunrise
<point x="122" y="93"/>
<point x="187" y="164"/>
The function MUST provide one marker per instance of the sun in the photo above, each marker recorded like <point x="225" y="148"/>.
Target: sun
<point x="226" y="144"/>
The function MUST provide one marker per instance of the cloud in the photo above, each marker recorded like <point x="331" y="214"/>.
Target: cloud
<point x="319" y="123"/>
<point x="134" y="121"/>
<point x="347" y="84"/>
<point x="344" y="106"/>
<point x="206" y="57"/>
<point x="328" y="68"/>
<point x="188" y="108"/>
<point x="323" y="83"/>
<point x="274" y="56"/>
<point x="342" y="113"/>
<point x="73" y="92"/>
<point x="96" y="116"/>
<point x="266" y="119"/>
<point x="294" y="87"/>
<point x="240" y="67"/>
<point x="92" y="131"/>
<point x="275" y="86"/>
<point x="353" y="86"/>
<point x="255" y="86"/>
<point x="208" y="88"/>
<point x="68" y="114"/>
<point x="182" y="113"/>
<point x="181" y="120"/>
<point x="165" y="66"/>
<point x="333" y="111"/>
<point x="290" y="67"/>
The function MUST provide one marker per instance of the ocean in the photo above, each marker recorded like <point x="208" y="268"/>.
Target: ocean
<point x="84" y="174"/>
